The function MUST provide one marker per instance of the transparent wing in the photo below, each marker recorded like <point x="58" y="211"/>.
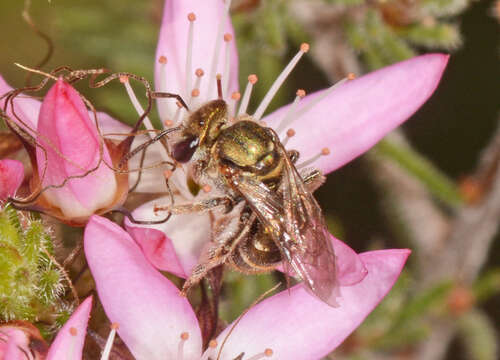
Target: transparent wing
<point x="297" y="225"/>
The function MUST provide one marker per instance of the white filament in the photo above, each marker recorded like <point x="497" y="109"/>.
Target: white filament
<point x="276" y="85"/>
<point x="137" y="105"/>
<point x="246" y="98"/>
<point x="218" y="40"/>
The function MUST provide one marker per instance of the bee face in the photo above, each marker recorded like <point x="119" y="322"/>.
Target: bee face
<point x="201" y="128"/>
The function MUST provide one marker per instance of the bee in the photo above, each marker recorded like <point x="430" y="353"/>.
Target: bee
<point x="270" y="217"/>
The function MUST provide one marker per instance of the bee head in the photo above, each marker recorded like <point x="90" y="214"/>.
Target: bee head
<point x="202" y="128"/>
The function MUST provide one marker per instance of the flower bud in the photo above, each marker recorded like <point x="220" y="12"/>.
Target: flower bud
<point x="71" y="157"/>
<point x="11" y="177"/>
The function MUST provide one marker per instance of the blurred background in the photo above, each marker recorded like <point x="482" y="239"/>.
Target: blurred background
<point x="432" y="186"/>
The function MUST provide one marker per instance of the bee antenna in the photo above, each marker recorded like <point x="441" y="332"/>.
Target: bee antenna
<point x="243" y="314"/>
<point x="219" y="86"/>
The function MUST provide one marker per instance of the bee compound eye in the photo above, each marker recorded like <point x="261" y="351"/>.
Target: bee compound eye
<point x="183" y="151"/>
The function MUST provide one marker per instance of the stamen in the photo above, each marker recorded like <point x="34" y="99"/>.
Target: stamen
<point x="218" y="38"/>
<point x="210" y="352"/>
<point x="135" y="102"/>
<point x="177" y="113"/>
<point x="180" y="348"/>
<point x="279" y="81"/>
<point x="324" y="152"/>
<point x="73" y="332"/>
<point x="289" y="116"/>
<point x="162" y="87"/>
<point x="266" y="353"/>
<point x="252" y="79"/>
<point x="109" y="343"/>
<point x="227" y="39"/>
<point x="197" y="86"/>
<point x="189" y="56"/>
<point x="219" y="86"/>
<point x="289" y="134"/>
<point x="315" y="101"/>
<point x="168" y="123"/>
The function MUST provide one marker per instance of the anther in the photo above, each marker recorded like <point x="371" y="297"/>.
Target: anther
<point x="212" y="344"/>
<point x="301" y="93"/>
<point x="123" y="79"/>
<point x="191" y="16"/>
<point x="268" y="352"/>
<point x="168" y="123"/>
<point x="162" y="60"/>
<point x="279" y="81"/>
<point x="195" y="92"/>
<point x="325" y="151"/>
<point x="199" y="72"/>
<point x="73" y="331"/>
<point x="167" y="174"/>
<point x="228" y="37"/>
<point x="185" y="336"/>
<point x="252" y="80"/>
<point x="351" y="76"/>
<point x="179" y="105"/>
<point x="235" y="95"/>
<point x="206" y="188"/>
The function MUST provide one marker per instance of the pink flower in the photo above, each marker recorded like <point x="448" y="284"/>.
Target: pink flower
<point x="348" y="118"/>
<point x="155" y="322"/>
<point x="71" y="161"/>
<point x="21" y="340"/>
<point x="11" y="177"/>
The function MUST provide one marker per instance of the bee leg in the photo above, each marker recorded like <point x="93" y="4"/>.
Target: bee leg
<point x="200" y="206"/>
<point x="312" y="178"/>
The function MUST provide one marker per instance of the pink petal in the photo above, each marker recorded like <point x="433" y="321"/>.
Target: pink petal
<point x="147" y="307"/>
<point x="186" y="234"/>
<point x="350" y="268"/>
<point x="173" y="44"/>
<point x="64" y="124"/>
<point x="158" y="249"/>
<point x="315" y="329"/>
<point x="69" y="341"/>
<point x="14" y="342"/>
<point x="355" y="116"/>
<point x="11" y="177"/>
<point x="26" y="108"/>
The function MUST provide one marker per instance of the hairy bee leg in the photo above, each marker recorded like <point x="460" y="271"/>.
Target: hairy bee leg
<point x="313" y="179"/>
<point x="201" y="206"/>
<point x="159" y="95"/>
<point x="216" y="253"/>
